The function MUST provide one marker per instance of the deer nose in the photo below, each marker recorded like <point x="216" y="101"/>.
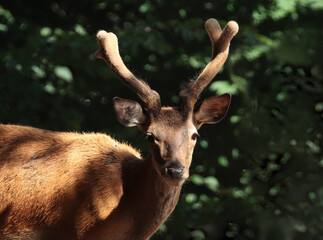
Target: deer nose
<point x="175" y="170"/>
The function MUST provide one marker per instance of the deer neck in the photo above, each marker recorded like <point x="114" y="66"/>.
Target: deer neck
<point x="146" y="202"/>
<point x="155" y="186"/>
<point x="152" y="187"/>
<point x="153" y="198"/>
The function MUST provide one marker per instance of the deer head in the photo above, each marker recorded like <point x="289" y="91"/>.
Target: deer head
<point x="171" y="131"/>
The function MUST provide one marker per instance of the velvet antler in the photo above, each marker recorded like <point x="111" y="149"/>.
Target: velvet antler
<point x="220" y="48"/>
<point x="109" y="52"/>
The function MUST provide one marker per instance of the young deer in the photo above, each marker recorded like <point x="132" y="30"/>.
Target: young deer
<point x="89" y="186"/>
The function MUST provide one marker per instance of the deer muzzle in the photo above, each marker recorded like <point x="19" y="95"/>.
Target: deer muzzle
<point x="175" y="170"/>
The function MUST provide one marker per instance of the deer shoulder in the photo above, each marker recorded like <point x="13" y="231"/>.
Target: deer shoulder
<point x="60" y="177"/>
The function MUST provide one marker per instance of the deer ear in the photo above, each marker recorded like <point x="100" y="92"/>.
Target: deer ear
<point x="212" y="110"/>
<point x="129" y="113"/>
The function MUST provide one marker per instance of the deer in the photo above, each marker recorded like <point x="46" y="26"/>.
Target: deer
<point x="84" y="186"/>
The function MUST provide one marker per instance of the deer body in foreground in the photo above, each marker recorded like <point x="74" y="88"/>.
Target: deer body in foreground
<point x="89" y="186"/>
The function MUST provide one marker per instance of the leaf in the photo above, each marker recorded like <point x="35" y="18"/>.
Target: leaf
<point x="212" y="183"/>
<point x="64" y="73"/>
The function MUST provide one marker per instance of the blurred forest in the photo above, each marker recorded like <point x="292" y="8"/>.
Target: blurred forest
<point x="256" y="175"/>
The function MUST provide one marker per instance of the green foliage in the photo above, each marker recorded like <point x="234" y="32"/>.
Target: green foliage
<point x="256" y="175"/>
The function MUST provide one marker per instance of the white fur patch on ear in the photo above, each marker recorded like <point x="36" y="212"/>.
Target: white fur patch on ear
<point x="129" y="113"/>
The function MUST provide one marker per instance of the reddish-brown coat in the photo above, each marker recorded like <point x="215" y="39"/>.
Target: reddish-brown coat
<point x="70" y="185"/>
<point x="89" y="186"/>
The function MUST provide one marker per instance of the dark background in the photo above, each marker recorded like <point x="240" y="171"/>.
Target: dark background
<point x="256" y="175"/>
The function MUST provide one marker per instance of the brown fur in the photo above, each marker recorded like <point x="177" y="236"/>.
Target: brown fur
<point x="89" y="186"/>
<point x="77" y="186"/>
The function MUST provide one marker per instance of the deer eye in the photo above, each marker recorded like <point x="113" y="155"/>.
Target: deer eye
<point x="151" y="138"/>
<point x="194" y="136"/>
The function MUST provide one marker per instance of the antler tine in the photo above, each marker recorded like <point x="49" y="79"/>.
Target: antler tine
<point x="109" y="52"/>
<point x="220" y="48"/>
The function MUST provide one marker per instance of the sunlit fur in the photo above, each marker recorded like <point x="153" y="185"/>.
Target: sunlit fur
<point x="77" y="186"/>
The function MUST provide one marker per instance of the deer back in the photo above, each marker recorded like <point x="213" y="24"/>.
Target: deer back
<point x="59" y="179"/>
